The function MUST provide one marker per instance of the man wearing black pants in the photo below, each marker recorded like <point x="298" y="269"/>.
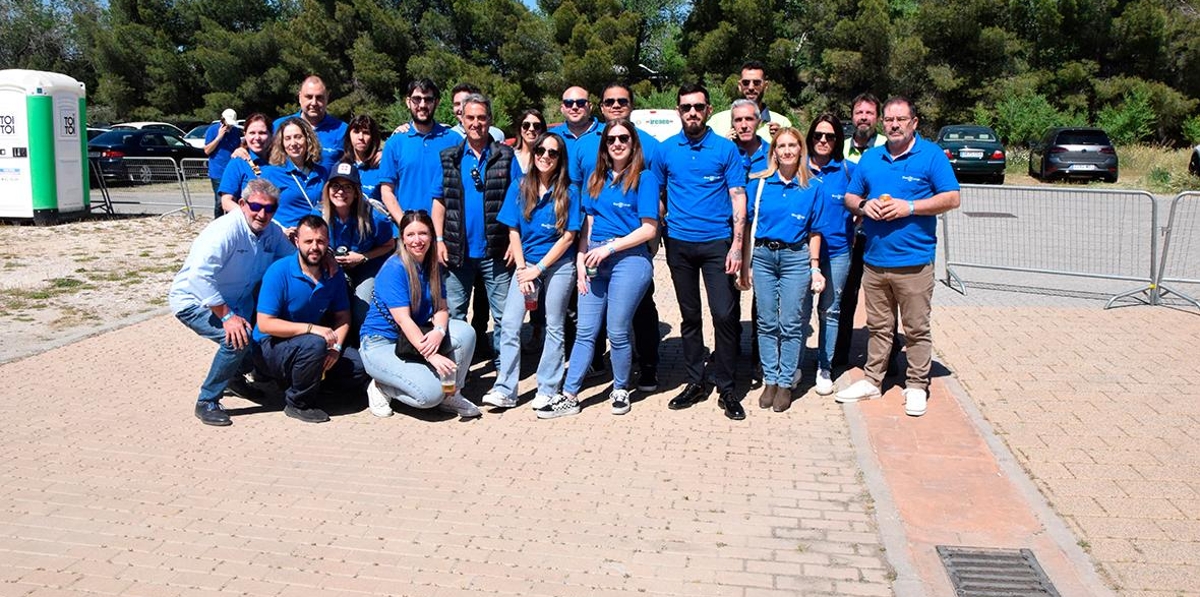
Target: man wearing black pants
<point x="706" y="225"/>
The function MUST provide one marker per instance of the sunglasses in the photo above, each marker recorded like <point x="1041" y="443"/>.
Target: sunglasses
<point x="575" y="103"/>
<point x="622" y="139"/>
<point x="685" y="108"/>
<point x="532" y="126"/>
<point x="541" y="151"/>
<point x="615" y="101"/>
<point x="419" y="212"/>
<point x="422" y="99"/>
<point x="751" y="82"/>
<point x="821" y="136"/>
<point x="475" y="177"/>
<point x="257" y="207"/>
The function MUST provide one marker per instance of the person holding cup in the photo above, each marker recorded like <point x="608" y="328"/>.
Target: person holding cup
<point x="542" y="214"/>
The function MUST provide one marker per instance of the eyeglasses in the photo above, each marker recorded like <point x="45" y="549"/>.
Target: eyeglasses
<point x="532" y="126"/>
<point x="575" y="103"/>
<point x="615" y="101"/>
<point x="341" y="186"/>
<point x="541" y="151"/>
<point x="477" y="179"/>
<point x="752" y="82"/>
<point x="823" y="136"/>
<point x="257" y="207"/>
<point x="422" y="99"/>
<point x="622" y="139"/>
<point x="897" y="120"/>
<point x="685" y="108"/>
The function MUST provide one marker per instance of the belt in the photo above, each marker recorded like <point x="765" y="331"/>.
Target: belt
<point x="775" y="245"/>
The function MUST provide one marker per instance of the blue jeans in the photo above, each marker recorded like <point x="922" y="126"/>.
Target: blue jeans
<point x="415" y="383"/>
<point x="614" y="293"/>
<point x="556" y="285"/>
<point x="829" y="307"/>
<point x="781" y="279"/>
<point x="496" y="277"/>
<point x="226" y="363"/>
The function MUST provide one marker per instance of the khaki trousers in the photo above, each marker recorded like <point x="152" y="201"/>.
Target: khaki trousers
<point x="911" y="290"/>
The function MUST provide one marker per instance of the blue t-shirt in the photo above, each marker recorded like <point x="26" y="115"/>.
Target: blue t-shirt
<point x="331" y="132"/>
<point x="299" y="193"/>
<point x="238" y="173"/>
<point x="786" y="211"/>
<point x="288" y="294"/>
<point x="698" y="175"/>
<point x="919" y="174"/>
<point x="587" y="150"/>
<point x="540" y="231"/>
<point x="229" y="143"/>
<point x="616" y="213"/>
<point x="345" y="234"/>
<point x="411" y="164"/>
<point x="474" y="224"/>
<point x="391" y="290"/>
<point x="837" y="223"/>
<point x="370" y="178"/>
<point x="756" y="162"/>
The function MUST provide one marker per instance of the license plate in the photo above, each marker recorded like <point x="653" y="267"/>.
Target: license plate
<point x="1084" y="167"/>
<point x="971" y="154"/>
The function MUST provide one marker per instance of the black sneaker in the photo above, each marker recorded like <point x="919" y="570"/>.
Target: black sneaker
<point x="238" y="386"/>
<point x="648" y="380"/>
<point x="308" y="415"/>
<point x="211" y="413"/>
<point x="561" y="406"/>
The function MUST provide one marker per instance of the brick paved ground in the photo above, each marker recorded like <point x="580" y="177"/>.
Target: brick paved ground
<point x="108" y="485"/>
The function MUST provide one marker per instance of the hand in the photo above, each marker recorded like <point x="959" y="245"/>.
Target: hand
<point x="241" y="153"/>
<point x="773" y="127"/>
<point x="818" y="283"/>
<point x="327" y="333"/>
<point x="430" y="343"/>
<point x="441" y="253"/>
<point x="329" y="263"/>
<point x="401" y="129"/>
<point x="733" y="262"/>
<point x="237" y="332"/>
<point x="331" y="359"/>
<point x="893" y="209"/>
<point x="509" y="259"/>
<point x="290" y="233"/>
<point x="873" y="209"/>
<point x="224" y="129"/>
<point x="441" y="364"/>
<point x="595" y="256"/>
<point x="351" y="259"/>
<point x="745" y="280"/>
<point x="581" y="281"/>
<point x="526" y="275"/>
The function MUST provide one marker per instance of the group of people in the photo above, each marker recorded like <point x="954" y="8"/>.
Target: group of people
<point x="343" y="264"/>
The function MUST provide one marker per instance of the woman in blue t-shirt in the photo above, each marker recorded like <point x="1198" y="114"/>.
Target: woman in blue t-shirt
<point x="247" y="162"/>
<point x="826" y="165"/>
<point x="295" y="169"/>
<point x="364" y="148"/>
<point x="787" y="208"/>
<point x="614" y="268"/>
<point x="410" y="299"/>
<point x="542" y="215"/>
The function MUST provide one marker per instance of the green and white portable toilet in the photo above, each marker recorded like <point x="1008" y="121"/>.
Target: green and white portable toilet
<point x="43" y="145"/>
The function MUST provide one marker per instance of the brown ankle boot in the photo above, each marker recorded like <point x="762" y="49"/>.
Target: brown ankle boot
<point x="783" y="399"/>
<point x="767" y="397"/>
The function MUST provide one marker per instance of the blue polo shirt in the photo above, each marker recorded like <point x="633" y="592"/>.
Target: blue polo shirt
<point x="698" y="175"/>
<point x="345" y="234"/>
<point x="587" y="151"/>
<point x="220" y="158"/>
<point x="411" y="164"/>
<point x="616" y="213"/>
<point x="288" y="294"/>
<point x="238" y="173"/>
<point x="371" y="178"/>
<point x="331" y="132"/>
<point x="919" y="174"/>
<point x="540" y="231"/>
<point x="756" y="162"/>
<point x="391" y="289"/>
<point x="786" y="211"/>
<point x="474" y="224"/>
<point x="299" y="193"/>
<point x="837" y="223"/>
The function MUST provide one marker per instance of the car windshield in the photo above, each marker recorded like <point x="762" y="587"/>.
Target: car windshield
<point x="198" y="132"/>
<point x="1083" y="138"/>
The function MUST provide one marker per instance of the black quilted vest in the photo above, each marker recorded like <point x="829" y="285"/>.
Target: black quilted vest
<point x="495" y="185"/>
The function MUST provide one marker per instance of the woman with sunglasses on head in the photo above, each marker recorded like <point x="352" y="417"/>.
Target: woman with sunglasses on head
<point x="364" y="148"/>
<point x="295" y="168"/>
<point x="256" y="140"/>
<point x="786" y="209"/>
<point x="826" y="163"/>
<point x="614" y="269"/>
<point x="532" y="124"/>
<point x="361" y="238"/>
<point x="543" y="217"/>
<point x="410" y="299"/>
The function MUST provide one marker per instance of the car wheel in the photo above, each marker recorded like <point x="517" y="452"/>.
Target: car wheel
<point x="1110" y="178"/>
<point x="1032" y="174"/>
<point x="142" y="174"/>
<point x="998" y="178"/>
<point x="1194" y="165"/>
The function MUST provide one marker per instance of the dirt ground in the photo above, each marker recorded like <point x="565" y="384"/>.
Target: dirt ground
<point x="65" y="282"/>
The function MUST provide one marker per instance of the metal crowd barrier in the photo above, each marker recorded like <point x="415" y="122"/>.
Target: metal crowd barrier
<point x="1057" y="231"/>
<point x="1180" y="252"/>
<point x="146" y="181"/>
<point x="192" y="170"/>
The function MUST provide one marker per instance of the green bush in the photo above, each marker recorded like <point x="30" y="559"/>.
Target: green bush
<point x="1020" y="119"/>
<point x="1130" y="122"/>
<point x="1191" y="130"/>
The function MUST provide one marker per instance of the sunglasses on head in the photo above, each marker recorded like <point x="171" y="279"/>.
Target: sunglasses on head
<point x="685" y="108"/>
<point x="615" y="101"/>
<point x="541" y="151"/>
<point x="575" y="103"/>
<point x="822" y="136"/>
<point x="257" y="207"/>
<point x="622" y="139"/>
<point x="419" y="212"/>
<point x="475" y="177"/>
<point x="532" y="125"/>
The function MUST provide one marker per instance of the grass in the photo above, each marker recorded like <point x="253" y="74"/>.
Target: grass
<point x="1150" y="168"/>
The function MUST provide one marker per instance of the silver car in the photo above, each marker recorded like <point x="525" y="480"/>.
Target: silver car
<point x="1074" y="152"/>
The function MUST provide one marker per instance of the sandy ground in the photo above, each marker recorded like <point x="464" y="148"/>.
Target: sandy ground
<point x="65" y="282"/>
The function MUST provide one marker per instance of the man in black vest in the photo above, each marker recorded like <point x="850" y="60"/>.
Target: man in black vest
<point x="475" y="178"/>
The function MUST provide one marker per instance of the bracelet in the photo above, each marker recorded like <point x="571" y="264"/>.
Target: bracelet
<point x="441" y="239"/>
<point x="815" y="270"/>
<point x="440" y="329"/>
<point x="337" y="347"/>
<point x="611" y="250"/>
<point x="538" y="265"/>
<point x="227" y="316"/>
<point x="309" y="330"/>
<point x="912" y="207"/>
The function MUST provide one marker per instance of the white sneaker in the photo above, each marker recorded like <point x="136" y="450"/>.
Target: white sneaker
<point x="620" y="402"/>
<point x="824" y="382"/>
<point x="859" y="390"/>
<point x="377" y="401"/>
<point x="459" y="405"/>
<point x="541" y="401"/>
<point x="914" y="402"/>
<point x="499" y="400"/>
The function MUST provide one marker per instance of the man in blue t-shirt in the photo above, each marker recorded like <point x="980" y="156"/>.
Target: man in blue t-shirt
<point x="220" y="141"/>
<point x="411" y="166"/>
<point x="303" y="319"/>
<point x="705" y="181"/>
<point x="899" y="189"/>
<point x="330" y="131"/>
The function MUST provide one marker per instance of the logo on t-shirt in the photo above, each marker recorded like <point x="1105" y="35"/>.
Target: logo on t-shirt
<point x="910" y="178"/>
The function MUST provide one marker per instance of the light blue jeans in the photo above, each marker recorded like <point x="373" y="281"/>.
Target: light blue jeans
<point x="829" y="307"/>
<point x="415" y="383"/>
<point x="227" y="362"/>
<point x="555" y="286"/>
<point x="614" y="293"/>
<point x="781" y="279"/>
<point x="461" y="279"/>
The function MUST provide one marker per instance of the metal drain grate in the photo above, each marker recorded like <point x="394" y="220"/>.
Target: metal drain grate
<point x="979" y="572"/>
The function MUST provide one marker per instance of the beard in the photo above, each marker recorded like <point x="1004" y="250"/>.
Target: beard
<point x="313" y="258"/>
<point x="693" y="128"/>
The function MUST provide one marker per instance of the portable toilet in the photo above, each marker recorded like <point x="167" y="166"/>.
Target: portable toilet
<point x="43" y="145"/>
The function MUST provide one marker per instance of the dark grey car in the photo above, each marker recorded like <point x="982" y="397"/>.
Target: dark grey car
<point x="1074" y="152"/>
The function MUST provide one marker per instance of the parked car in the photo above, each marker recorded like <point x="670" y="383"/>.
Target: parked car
<point x="110" y="149"/>
<point x="1073" y="152"/>
<point x="94" y="132"/>
<point x="1194" y="165"/>
<point x="195" y="137"/>
<point x="165" y="127"/>
<point x="975" y="152"/>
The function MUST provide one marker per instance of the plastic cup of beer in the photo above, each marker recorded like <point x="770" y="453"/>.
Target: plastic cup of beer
<point x="449" y="383"/>
<point x="531" y="299"/>
<point x="885" y="197"/>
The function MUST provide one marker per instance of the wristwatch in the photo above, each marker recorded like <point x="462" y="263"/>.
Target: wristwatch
<point x="862" y="206"/>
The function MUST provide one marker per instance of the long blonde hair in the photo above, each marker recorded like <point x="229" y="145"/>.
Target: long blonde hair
<point x="312" y="144"/>
<point x="559" y="184"/>
<point x="361" y="210"/>
<point x="802" y="173"/>
<point x="633" y="172"/>
<point x="433" y="269"/>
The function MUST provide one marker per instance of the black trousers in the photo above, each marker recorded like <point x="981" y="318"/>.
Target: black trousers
<point x="296" y="363"/>
<point x="689" y="262"/>
<point x="841" y="349"/>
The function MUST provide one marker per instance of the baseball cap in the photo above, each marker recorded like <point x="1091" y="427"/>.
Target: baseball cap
<point x="347" y="171"/>
<point x="229" y="116"/>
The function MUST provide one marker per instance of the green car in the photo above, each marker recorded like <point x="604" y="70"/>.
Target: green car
<point x="975" y="152"/>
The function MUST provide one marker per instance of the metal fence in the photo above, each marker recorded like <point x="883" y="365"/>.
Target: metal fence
<point x="158" y="183"/>
<point x="1179" y="272"/>
<point x="1026" y="236"/>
